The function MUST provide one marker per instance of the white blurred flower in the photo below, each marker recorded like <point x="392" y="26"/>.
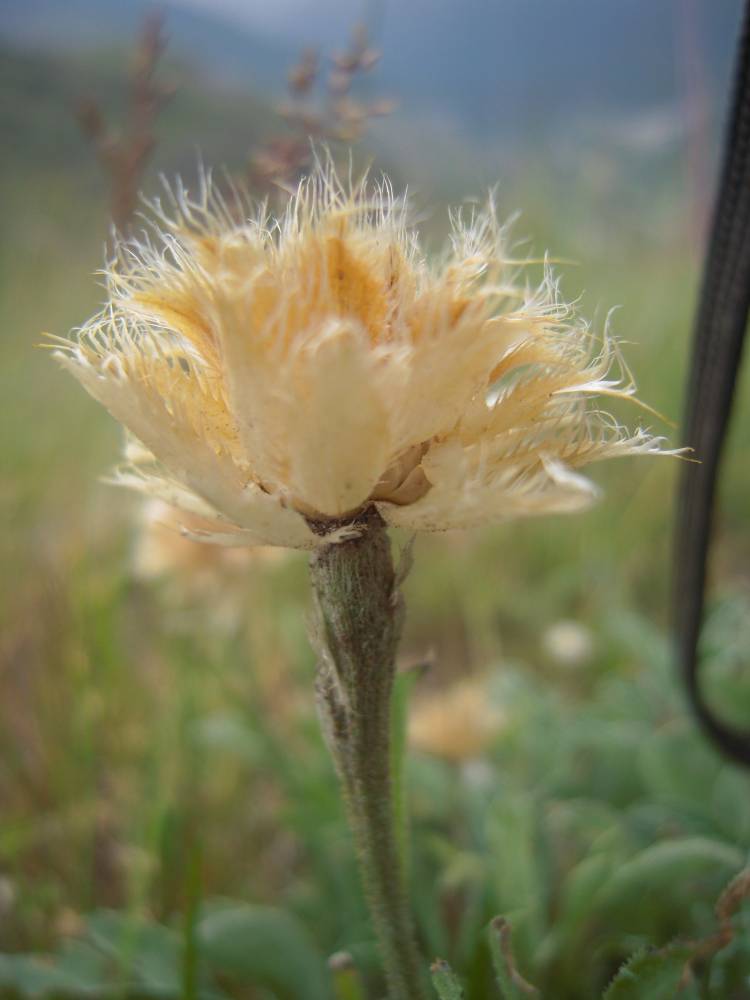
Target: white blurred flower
<point x="568" y="643"/>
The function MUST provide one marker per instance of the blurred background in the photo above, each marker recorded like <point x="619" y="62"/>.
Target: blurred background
<point x="157" y="730"/>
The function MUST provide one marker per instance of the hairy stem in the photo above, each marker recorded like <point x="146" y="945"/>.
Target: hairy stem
<point x="358" y="623"/>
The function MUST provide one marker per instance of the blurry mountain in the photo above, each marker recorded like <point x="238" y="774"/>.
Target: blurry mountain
<point x="214" y="45"/>
<point x="39" y="92"/>
<point x="491" y="66"/>
<point x="508" y="65"/>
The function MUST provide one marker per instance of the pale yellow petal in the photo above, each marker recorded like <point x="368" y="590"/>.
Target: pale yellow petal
<point x="165" y="432"/>
<point x="312" y="417"/>
<point x="265" y="519"/>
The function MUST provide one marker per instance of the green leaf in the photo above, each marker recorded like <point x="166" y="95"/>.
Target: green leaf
<point x="650" y="975"/>
<point x="37" y="976"/>
<point x="445" y="981"/>
<point x="576" y="908"/>
<point x="118" y="956"/>
<point x="263" y="946"/>
<point x="666" y="871"/>
<point x="520" y="883"/>
<point x="147" y="953"/>
<point x="678" y="767"/>
<point x="512" y="984"/>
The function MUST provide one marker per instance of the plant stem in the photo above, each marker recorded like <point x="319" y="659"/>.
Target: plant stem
<point x="358" y="623"/>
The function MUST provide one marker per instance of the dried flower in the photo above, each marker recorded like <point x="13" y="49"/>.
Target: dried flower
<point x="283" y="376"/>
<point x="458" y="723"/>
<point x="124" y="156"/>
<point x="332" y="116"/>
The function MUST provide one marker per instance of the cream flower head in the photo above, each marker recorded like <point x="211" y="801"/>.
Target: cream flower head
<point x="278" y="377"/>
<point x="459" y="723"/>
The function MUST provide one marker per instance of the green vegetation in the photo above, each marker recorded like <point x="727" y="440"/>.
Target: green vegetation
<point x="171" y="824"/>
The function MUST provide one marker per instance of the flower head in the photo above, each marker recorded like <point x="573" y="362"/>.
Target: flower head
<point x="458" y="724"/>
<point x="279" y="377"/>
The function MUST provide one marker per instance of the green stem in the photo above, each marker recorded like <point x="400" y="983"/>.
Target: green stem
<point x="359" y="616"/>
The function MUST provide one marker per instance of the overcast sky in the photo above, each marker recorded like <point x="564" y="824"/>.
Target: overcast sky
<point x="301" y="20"/>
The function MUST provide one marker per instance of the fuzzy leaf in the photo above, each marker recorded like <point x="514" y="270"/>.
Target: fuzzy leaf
<point x="445" y="981"/>
<point x="650" y="975"/>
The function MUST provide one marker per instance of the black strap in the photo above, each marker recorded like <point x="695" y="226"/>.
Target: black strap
<point x="720" y="326"/>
